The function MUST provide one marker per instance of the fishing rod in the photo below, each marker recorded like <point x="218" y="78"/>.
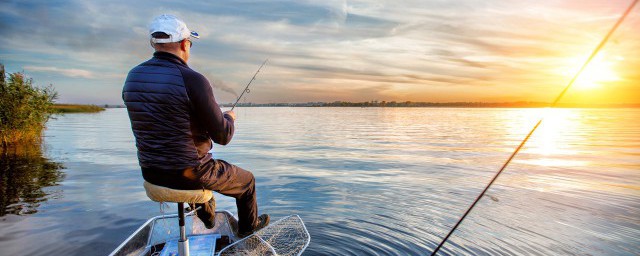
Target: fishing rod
<point x="593" y="54"/>
<point x="246" y="89"/>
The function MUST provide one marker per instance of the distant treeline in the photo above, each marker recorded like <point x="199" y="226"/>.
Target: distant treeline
<point x="519" y="104"/>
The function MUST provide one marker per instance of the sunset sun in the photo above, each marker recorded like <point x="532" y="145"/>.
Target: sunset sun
<point x="598" y="73"/>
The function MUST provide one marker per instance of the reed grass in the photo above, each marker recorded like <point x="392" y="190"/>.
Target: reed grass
<point x="24" y="108"/>
<point x="75" y="108"/>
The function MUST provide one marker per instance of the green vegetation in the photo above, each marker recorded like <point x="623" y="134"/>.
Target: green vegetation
<point x="24" y="108"/>
<point x="75" y="108"/>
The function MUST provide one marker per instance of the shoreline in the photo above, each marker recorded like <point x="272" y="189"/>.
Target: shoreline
<point x="435" y="105"/>
<point x="423" y="105"/>
<point x="75" y="108"/>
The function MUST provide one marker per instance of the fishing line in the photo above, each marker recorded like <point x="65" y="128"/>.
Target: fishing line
<point x="246" y="89"/>
<point x="555" y="102"/>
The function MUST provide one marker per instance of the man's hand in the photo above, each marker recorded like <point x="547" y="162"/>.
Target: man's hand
<point x="231" y="114"/>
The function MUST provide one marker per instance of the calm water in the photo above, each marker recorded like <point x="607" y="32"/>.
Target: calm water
<point x="386" y="181"/>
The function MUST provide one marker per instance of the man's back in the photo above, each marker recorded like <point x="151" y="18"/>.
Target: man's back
<point x="159" y="109"/>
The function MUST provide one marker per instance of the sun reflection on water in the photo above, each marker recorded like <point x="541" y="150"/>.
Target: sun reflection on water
<point x="547" y="142"/>
<point x="559" y="156"/>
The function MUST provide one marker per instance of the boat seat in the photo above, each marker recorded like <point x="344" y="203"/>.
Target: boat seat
<point x="164" y="194"/>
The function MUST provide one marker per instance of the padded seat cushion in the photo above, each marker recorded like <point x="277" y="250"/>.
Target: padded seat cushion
<point x="164" y="194"/>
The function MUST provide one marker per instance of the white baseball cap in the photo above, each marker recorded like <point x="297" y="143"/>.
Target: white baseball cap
<point x="172" y="26"/>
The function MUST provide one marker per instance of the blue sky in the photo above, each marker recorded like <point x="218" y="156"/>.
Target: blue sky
<point x="334" y="50"/>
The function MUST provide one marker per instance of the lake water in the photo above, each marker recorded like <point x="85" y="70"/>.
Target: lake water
<point x="366" y="181"/>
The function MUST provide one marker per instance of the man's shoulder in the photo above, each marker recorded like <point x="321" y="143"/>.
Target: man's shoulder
<point x="192" y="77"/>
<point x="187" y="71"/>
<point x="146" y="63"/>
<point x="157" y="66"/>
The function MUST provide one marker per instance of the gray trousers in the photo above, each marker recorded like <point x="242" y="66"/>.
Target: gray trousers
<point x="233" y="181"/>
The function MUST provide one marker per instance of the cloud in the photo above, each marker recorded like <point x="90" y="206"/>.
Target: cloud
<point x="71" y="72"/>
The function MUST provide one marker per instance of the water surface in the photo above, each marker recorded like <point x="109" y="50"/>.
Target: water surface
<point x="385" y="181"/>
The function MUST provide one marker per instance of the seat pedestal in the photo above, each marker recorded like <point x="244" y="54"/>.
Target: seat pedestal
<point x="183" y="242"/>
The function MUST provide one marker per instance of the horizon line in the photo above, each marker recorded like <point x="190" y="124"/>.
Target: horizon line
<point x="480" y="104"/>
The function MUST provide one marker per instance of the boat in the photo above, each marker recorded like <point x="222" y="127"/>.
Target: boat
<point x="158" y="236"/>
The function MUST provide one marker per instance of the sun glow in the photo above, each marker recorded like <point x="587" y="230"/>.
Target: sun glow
<point x="596" y="74"/>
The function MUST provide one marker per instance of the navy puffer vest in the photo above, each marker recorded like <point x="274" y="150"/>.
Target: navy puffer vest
<point x="159" y="110"/>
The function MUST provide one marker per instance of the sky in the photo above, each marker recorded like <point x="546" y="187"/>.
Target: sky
<point x="432" y="51"/>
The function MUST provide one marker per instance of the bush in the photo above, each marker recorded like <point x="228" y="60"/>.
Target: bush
<point x="24" y="109"/>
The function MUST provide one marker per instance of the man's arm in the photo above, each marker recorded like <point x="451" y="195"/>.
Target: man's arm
<point x="219" y="126"/>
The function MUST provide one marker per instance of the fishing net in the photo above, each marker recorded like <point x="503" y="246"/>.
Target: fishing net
<point x="287" y="236"/>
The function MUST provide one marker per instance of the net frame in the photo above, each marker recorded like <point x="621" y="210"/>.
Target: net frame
<point x="287" y="237"/>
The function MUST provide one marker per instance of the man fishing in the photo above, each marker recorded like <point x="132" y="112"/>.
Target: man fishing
<point x="175" y="120"/>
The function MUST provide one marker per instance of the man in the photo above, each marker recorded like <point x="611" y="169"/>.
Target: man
<point x="175" y="118"/>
